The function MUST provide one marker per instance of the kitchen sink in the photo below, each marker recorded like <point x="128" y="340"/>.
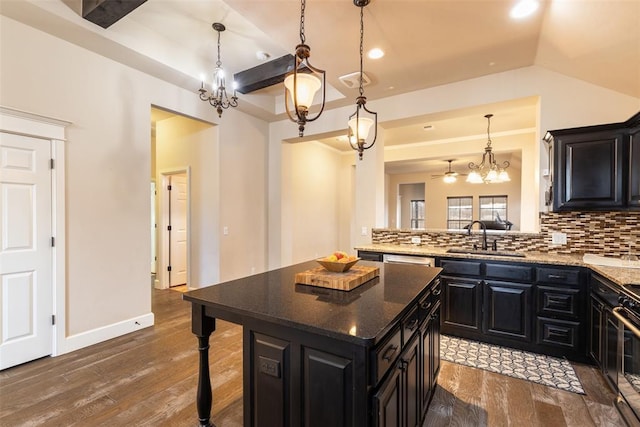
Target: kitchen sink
<point x="486" y="252"/>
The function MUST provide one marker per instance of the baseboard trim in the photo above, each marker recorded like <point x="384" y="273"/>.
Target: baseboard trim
<point x="104" y="333"/>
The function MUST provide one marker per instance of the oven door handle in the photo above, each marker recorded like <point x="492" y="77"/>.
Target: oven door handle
<point x="625" y="321"/>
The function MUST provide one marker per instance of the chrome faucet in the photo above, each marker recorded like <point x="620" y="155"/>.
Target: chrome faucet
<point x="484" y="233"/>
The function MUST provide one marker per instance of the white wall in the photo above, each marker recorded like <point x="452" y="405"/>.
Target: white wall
<point x="243" y="194"/>
<point x="108" y="168"/>
<point x="312" y="182"/>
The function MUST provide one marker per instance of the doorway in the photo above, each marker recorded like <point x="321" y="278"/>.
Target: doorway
<point x="32" y="256"/>
<point x="173" y="230"/>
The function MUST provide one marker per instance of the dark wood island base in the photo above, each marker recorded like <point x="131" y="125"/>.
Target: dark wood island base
<point x="320" y="357"/>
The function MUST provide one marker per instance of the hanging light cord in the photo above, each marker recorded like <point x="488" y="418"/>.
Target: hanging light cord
<point x="218" y="62"/>
<point x="303" y="4"/>
<point x="361" y="46"/>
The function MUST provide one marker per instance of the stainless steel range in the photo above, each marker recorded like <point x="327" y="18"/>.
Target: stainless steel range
<point x="628" y="315"/>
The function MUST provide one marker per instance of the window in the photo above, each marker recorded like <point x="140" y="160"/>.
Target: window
<point x="459" y="212"/>
<point x="493" y="208"/>
<point x="417" y="214"/>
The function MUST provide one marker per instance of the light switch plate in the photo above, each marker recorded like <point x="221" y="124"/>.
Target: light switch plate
<point x="363" y="231"/>
<point x="559" y="238"/>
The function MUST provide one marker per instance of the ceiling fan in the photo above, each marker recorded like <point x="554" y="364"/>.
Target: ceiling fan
<point x="449" y="176"/>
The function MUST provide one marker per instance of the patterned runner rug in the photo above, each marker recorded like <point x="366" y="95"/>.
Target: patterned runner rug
<point x="546" y="370"/>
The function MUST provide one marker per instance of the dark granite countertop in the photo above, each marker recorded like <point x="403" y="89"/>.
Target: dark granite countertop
<point x="362" y="316"/>
<point x="620" y="275"/>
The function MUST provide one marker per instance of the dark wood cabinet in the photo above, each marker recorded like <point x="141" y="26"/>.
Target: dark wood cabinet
<point x="596" y="167"/>
<point x="596" y="322"/>
<point x="404" y="396"/>
<point x="589" y="170"/>
<point x="507" y="310"/>
<point x="430" y="342"/>
<point x="462" y="305"/>
<point x="528" y="306"/>
<point x="603" y="345"/>
<point x="633" y="199"/>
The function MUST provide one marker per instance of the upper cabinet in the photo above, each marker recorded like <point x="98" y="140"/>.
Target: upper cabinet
<point x="633" y="199"/>
<point x="597" y="167"/>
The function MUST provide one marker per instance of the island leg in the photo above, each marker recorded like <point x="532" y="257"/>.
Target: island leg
<point x="202" y="326"/>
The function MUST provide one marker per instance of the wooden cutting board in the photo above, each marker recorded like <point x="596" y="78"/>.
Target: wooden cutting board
<point x="321" y="277"/>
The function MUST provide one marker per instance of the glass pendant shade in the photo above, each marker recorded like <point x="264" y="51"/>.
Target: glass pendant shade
<point x="474" y="178"/>
<point x="307" y="86"/>
<point x="449" y="179"/>
<point x="360" y="127"/>
<point x="491" y="176"/>
<point x="503" y="176"/>
<point x="218" y="78"/>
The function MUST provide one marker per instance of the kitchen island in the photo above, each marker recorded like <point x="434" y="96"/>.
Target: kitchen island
<point x="318" y="357"/>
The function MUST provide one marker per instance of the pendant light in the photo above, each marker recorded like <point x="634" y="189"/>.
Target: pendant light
<point x="218" y="96"/>
<point x="488" y="171"/>
<point x="360" y="123"/>
<point x="303" y="82"/>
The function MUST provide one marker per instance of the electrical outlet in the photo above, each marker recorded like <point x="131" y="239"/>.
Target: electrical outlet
<point x="559" y="238"/>
<point x="225" y="230"/>
<point x="415" y="240"/>
<point x="363" y="231"/>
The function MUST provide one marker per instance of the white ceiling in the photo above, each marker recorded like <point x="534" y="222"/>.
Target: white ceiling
<point x="427" y="43"/>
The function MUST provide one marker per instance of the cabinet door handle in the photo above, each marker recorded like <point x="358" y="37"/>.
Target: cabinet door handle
<point x="389" y="352"/>
<point x="557" y="276"/>
<point x="412" y="325"/>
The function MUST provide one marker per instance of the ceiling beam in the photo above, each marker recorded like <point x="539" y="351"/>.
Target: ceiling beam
<point x="106" y="12"/>
<point x="263" y="75"/>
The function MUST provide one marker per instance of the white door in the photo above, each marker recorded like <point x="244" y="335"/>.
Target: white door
<point x="178" y="233"/>
<point x="26" y="287"/>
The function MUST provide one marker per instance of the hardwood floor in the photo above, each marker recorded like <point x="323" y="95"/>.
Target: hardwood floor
<point x="149" y="378"/>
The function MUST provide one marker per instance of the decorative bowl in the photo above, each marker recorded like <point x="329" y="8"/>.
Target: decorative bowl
<point x="337" y="266"/>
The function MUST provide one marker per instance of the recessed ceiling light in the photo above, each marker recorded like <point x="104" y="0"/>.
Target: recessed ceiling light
<point x="375" y="53"/>
<point x="524" y="8"/>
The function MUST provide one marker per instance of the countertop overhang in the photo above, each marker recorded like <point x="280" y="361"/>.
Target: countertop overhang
<point x="620" y="275"/>
<point x="363" y="315"/>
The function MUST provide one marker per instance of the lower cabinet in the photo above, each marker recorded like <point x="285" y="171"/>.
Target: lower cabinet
<point x="529" y="306"/>
<point x="603" y="343"/>
<point x="462" y="310"/>
<point x="397" y="401"/>
<point x="430" y="342"/>
<point x="404" y="396"/>
<point x="507" y="311"/>
<point x="299" y="378"/>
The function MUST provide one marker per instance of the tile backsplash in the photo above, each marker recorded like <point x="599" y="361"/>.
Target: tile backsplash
<point x="602" y="233"/>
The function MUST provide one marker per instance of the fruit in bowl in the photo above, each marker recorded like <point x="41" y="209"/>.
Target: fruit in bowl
<point x="338" y="261"/>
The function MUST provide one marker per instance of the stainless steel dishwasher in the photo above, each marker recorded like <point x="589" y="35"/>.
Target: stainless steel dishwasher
<point x="409" y="259"/>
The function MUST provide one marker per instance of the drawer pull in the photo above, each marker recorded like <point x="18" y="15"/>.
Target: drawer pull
<point x="437" y="292"/>
<point x="389" y="352"/>
<point x="557" y="276"/>
<point x="413" y="324"/>
<point x="426" y="305"/>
